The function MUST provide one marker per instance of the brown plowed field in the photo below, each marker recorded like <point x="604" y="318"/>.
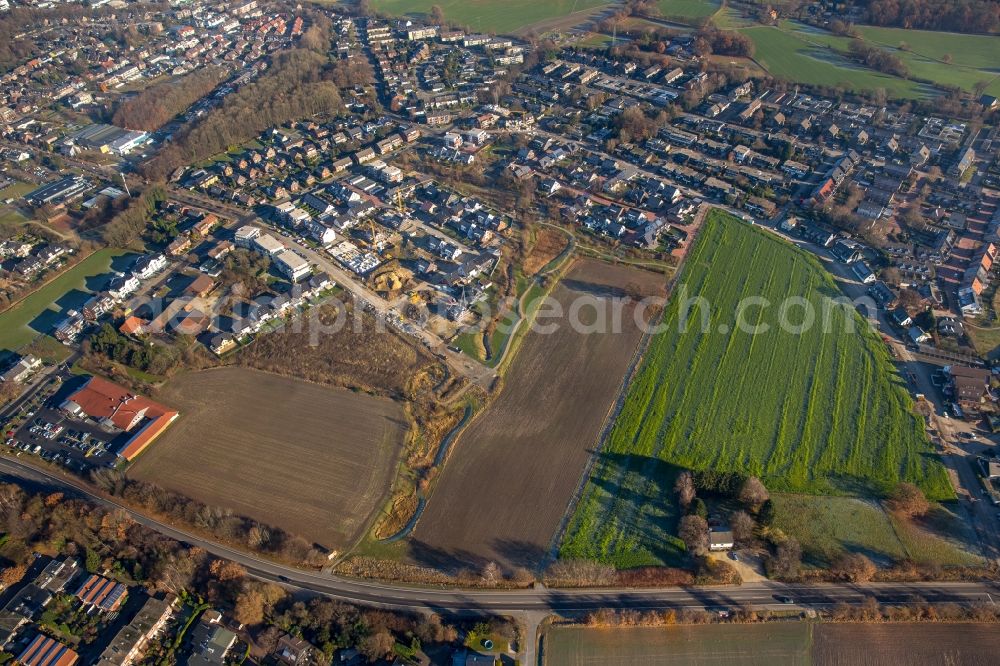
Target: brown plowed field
<point x="312" y="460"/>
<point x="514" y="470"/>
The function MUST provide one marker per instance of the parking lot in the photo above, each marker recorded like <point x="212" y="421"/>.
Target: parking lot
<point x="76" y="444"/>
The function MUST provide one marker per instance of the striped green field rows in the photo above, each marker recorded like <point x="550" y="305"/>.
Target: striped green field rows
<point x="820" y="411"/>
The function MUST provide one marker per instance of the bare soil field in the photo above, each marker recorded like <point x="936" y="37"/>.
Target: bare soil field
<point x="312" y="460"/>
<point x="888" y="644"/>
<point x="820" y="644"/>
<point x="724" y="644"/>
<point x="514" y="470"/>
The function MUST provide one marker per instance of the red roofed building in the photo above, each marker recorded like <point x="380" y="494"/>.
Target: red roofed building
<point x="132" y="326"/>
<point x="45" y="651"/>
<point x="101" y="593"/>
<point x="115" y="408"/>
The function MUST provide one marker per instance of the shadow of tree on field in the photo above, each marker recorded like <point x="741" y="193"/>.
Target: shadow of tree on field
<point x="450" y="561"/>
<point x="641" y="503"/>
<point x="517" y="553"/>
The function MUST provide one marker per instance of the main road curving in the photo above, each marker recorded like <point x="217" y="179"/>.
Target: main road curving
<point x="478" y="601"/>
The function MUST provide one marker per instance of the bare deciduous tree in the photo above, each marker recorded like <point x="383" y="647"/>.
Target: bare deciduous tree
<point x="909" y="501"/>
<point x="694" y="533"/>
<point x="743" y="527"/>
<point x="684" y="487"/>
<point x="753" y="493"/>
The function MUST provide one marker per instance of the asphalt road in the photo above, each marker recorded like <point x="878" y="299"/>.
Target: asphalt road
<point x="453" y="600"/>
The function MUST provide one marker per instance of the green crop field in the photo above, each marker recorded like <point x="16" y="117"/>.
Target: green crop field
<point x="500" y="16"/>
<point x="821" y="411"/>
<point x="15" y="323"/>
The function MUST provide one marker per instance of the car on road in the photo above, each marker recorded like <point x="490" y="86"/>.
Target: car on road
<point x="784" y="599"/>
<point x="733" y="556"/>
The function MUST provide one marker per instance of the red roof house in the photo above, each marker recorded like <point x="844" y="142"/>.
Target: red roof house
<point x="114" y="407"/>
<point x="45" y="651"/>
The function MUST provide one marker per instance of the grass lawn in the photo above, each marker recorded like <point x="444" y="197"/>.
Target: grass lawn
<point x="16" y="323"/>
<point x="687" y="9"/>
<point x="730" y="19"/>
<point x="827" y="527"/>
<point x="595" y="40"/>
<point x="16" y="190"/>
<point x="470" y="343"/>
<point x="985" y="340"/>
<point x="978" y="51"/>
<point x="821" y="411"/>
<point x="11" y="216"/>
<point x="787" y="55"/>
<point x="48" y="349"/>
<point x="972" y="62"/>
<point x="500" y="16"/>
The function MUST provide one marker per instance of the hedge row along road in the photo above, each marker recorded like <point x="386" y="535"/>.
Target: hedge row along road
<point x="478" y="602"/>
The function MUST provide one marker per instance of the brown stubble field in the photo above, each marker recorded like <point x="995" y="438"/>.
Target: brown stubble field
<point x="816" y="643"/>
<point x="315" y="461"/>
<point x="504" y="490"/>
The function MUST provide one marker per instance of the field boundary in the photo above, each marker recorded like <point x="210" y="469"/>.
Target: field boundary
<point x="609" y="422"/>
<point x="439" y="458"/>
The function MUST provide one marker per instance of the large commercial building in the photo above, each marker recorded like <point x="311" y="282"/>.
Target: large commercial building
<point x="116" y="409"/>
<point x="110" y="139"/>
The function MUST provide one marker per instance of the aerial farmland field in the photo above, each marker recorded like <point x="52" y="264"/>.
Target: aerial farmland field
<point x="822" y="644"/>
<point x="764" y="644"/>
<point x="500" y="16"/>
<point x="820" y="411"/>
<point x="245" y="438"/>
<point x="787" y="55"/>
<point x="687" y="9"/>
<point x="514" y="470"/>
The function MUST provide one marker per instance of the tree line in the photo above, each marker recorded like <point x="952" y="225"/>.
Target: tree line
<point x="963" y="16"/>
<point x="878" y="59"/>
<point x="155" y="106"/>
<point x="298" y="85"/>
<point x="129" y="223"/>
